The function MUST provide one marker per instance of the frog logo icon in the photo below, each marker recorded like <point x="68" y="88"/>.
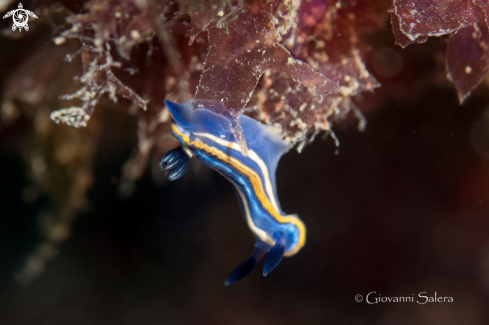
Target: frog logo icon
<point x="20" y="17"/>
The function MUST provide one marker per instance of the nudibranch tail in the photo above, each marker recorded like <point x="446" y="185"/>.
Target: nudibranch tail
<point x="209" y="137"/>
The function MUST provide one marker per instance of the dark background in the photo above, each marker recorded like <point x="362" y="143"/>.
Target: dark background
<point x="398" y="209"/>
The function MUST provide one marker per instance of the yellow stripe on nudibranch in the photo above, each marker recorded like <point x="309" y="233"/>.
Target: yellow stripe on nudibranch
<point x="258" y="188"/>
<point x="253" y="156"/>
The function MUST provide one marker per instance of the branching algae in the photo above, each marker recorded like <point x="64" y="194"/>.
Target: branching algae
<point x="209" y="137"/>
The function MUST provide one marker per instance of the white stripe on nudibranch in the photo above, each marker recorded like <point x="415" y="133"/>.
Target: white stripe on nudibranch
<point x="186" y="149"/>
<point x="263" y="191"/>
<point x="260" y="233"/>
<point x="253" y="156"/>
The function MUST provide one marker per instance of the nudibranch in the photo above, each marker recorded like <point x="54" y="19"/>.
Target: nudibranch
<point x="208" y="137"/>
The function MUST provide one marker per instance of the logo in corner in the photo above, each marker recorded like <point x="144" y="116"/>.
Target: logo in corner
<point x="20" y="17"/>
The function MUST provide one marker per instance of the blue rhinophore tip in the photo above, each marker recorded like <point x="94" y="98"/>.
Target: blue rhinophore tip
<point x="175" y="163"/>
<point x="180" y="112"/>
<point x="275" y="254"/>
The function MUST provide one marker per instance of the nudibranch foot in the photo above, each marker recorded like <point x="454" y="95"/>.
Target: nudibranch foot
<point x="275" y="254"/>
<point x="247" y="267"/>
<point x="175" y="163"/>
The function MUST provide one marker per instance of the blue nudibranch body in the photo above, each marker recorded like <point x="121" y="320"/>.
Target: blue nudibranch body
<point x="208" y="137"/>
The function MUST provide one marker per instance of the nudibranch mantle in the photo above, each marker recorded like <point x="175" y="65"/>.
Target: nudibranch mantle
<point x="208" y="137"/>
